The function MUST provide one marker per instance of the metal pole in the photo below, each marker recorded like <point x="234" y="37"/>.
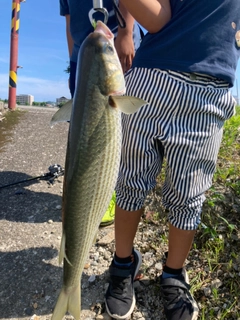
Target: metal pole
<point x="14" y="54"/>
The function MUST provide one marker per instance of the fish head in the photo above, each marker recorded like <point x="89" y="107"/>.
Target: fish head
<point x="111" y="79"/>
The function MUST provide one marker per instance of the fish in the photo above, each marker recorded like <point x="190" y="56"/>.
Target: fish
<point x="92" y="157"/>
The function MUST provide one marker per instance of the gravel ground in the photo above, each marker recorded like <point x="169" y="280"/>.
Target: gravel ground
<point x="30" y="224"/>
<point x="31" y="227"/>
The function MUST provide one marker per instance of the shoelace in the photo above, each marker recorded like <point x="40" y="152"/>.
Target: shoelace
<point x="119" y="285"/>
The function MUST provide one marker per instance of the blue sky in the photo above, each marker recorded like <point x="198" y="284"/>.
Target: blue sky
<point x="42" y="51"/>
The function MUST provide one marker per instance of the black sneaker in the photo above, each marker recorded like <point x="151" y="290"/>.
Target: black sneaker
<point x="120" y="297"/>
<point x="177" y="299"/>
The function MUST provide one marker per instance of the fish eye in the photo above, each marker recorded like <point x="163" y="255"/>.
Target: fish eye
<point x="108" y="48"/>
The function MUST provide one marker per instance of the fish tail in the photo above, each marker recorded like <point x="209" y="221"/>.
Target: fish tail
<point x="68" y="300"/>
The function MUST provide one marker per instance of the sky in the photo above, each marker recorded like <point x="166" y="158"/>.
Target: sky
<point x="42" y="53"/>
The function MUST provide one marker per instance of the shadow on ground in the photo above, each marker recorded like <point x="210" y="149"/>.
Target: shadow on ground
<point x="19" y="204"/>
<point x="30" y="284"/>
<point x="26" y="278"/>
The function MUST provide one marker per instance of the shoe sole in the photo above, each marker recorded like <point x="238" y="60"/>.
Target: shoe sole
<point x="115" y="316"/>
<point x="105" y="224"/>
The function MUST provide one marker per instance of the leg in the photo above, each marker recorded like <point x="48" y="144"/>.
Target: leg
<point x="191" y="154"/>
<point x="126" y="224"/>
<point x="180" y="242"/>
<point x="120" y="296"/>
<point x="178" y="301"/>
<point x="141" y="161"/>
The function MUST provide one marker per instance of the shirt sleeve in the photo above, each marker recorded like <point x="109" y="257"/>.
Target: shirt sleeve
<point x="64" y="9"/>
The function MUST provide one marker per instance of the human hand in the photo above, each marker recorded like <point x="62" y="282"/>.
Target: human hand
<point x="125" y="49"/>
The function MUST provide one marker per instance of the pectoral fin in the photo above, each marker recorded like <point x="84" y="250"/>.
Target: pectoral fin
<point x="63" y="114"/>
<point x="126" y="104"/>
<point x="62" y="253"/>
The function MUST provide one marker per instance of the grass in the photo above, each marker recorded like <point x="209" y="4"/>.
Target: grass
<point x="228" y="169"/>
<point x="218" y="238"/>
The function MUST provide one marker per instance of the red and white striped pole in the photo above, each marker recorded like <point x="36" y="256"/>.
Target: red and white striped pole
<point x="15" y="22"/>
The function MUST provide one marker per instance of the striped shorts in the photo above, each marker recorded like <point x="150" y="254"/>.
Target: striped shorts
<point x="182" y="122"/>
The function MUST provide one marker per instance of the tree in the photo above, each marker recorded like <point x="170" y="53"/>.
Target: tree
<point x="68" y="68"/>
<point x="60" y="105"/>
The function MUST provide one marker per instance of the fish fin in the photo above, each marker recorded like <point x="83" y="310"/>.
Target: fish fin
<point x="61" y="306"/>
<point x="126" y="104"/>
<point x="62" y="253"/>
<point x="95" y="238"/>
<point x="63" y="114"/>
<point x="68" y="300"/>
<point x="74" y="302"/>
<point x="62" y="249"/>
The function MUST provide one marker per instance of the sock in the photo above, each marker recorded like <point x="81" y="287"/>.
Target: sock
<point x="170" y="273"/>
<point x="124" y="262"/>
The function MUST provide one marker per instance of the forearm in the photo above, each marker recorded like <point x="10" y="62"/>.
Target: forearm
<point x="151" y="14"/>
<point x="124" y="41"/>
<point x="128" y="19"/>
<point x="68" y="34"/>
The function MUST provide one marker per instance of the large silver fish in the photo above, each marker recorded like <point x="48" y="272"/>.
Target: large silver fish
<point x="92" y="159"/>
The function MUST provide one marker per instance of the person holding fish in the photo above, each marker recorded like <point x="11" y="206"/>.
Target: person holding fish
<point x="78" y="26"/>
<point x="184" y="69"/>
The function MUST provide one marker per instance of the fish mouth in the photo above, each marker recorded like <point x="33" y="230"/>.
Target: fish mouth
<point x="103" y="29"/>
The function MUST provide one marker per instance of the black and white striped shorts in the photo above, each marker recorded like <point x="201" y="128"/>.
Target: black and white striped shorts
<point x="182" y="122"/>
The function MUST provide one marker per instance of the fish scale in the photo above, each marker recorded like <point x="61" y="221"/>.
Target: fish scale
<point x="92" y="158"/>
<point x="92" y="161"/>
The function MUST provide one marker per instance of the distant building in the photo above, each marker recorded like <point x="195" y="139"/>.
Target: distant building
<point x="25" y="99"/>
<point x="61" y="100"/>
